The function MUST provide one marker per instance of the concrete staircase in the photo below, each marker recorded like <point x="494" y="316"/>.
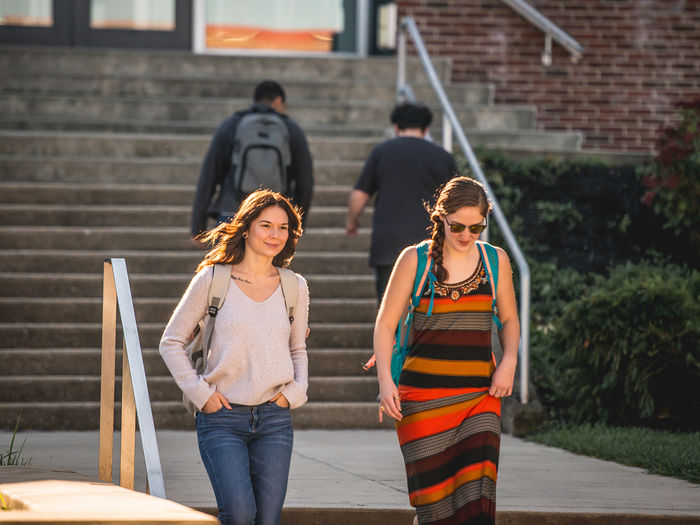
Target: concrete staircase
<point x="99" y="155"/>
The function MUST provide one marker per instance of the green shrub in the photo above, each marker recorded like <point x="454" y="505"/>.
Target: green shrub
<point x="552" y="289"/>
<point x="628" y="350"/>
<point x="581" y="214"/>
<point x="575" y="214"/>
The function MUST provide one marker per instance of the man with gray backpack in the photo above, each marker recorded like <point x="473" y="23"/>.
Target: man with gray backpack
<point x="260" y="147"/>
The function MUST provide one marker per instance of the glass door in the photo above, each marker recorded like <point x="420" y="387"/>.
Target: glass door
<point x="134" y="23"/>
<point x="97" y="23"/>
<point x="40" y="22"/>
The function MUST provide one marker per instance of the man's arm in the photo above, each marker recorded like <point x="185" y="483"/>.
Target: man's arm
<point x="364" y="189"/>
<point x="356" y="204"/>
<point x="212" y="173"/>
<point x="301" y="171"/>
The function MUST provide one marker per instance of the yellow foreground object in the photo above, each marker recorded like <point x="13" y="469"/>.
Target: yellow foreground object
<point x="46" y="496"/>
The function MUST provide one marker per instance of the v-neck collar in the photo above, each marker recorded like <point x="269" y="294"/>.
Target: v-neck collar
<point x="253" y="300"/>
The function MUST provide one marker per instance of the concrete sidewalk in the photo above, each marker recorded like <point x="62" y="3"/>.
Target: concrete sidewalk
<point x="364" y="470"/>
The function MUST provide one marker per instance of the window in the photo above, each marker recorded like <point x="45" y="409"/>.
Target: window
<point x="140" y="15"/>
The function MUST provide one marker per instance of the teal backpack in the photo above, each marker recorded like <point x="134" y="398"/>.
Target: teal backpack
<point x="489" y="256"/>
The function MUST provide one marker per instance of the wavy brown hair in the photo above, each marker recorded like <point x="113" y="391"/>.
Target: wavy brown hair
<point x="455" y="194"/>
<point x="227" y="237"/>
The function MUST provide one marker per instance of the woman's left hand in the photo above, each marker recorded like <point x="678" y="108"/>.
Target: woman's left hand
<point x="280" y="400"/>
<point x="502" y="380"/>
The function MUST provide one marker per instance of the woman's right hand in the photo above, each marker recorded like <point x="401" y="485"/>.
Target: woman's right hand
<point x="215" y="402"/>
<point x="389" y="402"/>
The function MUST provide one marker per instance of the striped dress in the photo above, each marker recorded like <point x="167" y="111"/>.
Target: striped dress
<point x="451" y="428"/>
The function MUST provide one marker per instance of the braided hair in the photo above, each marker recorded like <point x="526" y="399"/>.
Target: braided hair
<point x="455" y="194"/>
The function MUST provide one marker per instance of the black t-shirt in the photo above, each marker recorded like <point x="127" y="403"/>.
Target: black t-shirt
<point x="405" y="172"/>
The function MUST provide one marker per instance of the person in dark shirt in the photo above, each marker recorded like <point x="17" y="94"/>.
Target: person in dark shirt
<point x="404" y="172"/>
<point x="269" y="97"/>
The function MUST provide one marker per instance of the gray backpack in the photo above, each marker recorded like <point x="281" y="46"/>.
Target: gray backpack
<point x="261" y="153"/>
<point x="198" y="346"/>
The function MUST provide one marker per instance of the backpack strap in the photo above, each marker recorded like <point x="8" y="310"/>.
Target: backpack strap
<point x="489" y="256"/>
<point x="290" y="290"/>
<point x="423" y="275"/>
<point x="425" y="263"/>
<point x="217" y="296"/>
<point x="218" y="288"/>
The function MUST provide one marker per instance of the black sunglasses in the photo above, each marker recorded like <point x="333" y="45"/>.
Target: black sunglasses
<point x="456" y="227"/>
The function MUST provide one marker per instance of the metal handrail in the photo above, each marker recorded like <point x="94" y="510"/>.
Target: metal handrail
<point x="450" y="123"/>
<point x="549" y="28"/>
<point x="135" y="398"/>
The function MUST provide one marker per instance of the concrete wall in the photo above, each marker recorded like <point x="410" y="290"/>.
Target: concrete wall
<point x="641" y="56"/>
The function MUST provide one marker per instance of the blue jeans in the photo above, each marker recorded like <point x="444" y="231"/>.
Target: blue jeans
<point x="247" y="451"/>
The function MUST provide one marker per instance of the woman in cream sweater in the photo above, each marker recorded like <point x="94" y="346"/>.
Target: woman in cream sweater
<point x="257" y="368"/>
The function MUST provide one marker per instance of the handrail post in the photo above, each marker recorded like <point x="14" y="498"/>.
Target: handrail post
<point x="401" y="64"/>
<point x="109" y="344"/>
<point x="127" y="456"/>
<point x="135" y="398"/>
<point x="549" y="28"/>
<point x="446" y="133"/>
<point x="525" y="335"/>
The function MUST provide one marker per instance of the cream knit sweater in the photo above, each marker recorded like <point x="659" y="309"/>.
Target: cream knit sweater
<point x="255" y="353"/>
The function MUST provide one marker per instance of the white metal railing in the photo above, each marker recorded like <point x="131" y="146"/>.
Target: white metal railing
<point x="550" y="30"/>
<point x="135" y="399"/>
<point x="451" y="124"/>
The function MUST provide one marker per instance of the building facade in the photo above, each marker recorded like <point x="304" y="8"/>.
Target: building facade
<point x="640" y="58"/>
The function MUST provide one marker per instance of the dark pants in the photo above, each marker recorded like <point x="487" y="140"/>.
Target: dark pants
<point x="381" y="278"/>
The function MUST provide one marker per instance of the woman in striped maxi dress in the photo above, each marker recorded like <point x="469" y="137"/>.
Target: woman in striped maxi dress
<point x="448" y="401"/>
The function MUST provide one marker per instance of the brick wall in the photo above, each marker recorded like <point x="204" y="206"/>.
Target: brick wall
<point x="640" y="57"/>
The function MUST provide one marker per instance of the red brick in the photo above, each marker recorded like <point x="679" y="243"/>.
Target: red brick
<point x="629" y="82"/>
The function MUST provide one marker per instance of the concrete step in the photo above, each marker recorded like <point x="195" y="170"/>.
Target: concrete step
<point x="519" y="142"/>
<point x="81" y="123"/>
<point x="81" y="335"/>
<point x="172" y="415"/>
<point x="36" y="285"/>
<point x="168" y="85"/>
<point x="43" y="143"/>
<point x="149" y="238"/>
<point x="87" y="361"/>
<point x="142" y="170"/>
<point x="148" y="145"/>
<point x="159" y="310"/>
<point x="306" y="112"/>
<point x="514" y="140"/>
<point x="134" y="194"/>
<point x="99" y="194"/>
<point x="72" y="388"/>
<point x="134" y="215"/>
<point x="149" y="63"/>
<point x="164" y="261"/>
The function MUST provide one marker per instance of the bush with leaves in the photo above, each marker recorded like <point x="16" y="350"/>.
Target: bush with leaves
<point x="673" y="179"/>
<point x="627" y="351"/>
<point x="580" y="214"/>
